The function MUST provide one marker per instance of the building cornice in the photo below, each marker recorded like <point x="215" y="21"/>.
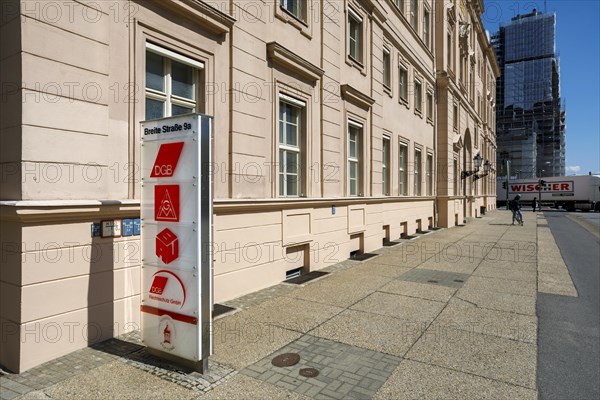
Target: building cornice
<point x="209" y="17"/>
<point x="291" y="61"/>
<point x="356" y="97"/>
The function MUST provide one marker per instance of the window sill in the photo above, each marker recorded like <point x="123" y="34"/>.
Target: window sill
<point x="388" y="90"/>
<point x="419" y="113"/>
<point x="356" y="64"/>
<point x="404" y="102"/>
<point x="289" y="18"/>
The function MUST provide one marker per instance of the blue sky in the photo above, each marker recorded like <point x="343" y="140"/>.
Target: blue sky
<point x="577" y="29"/>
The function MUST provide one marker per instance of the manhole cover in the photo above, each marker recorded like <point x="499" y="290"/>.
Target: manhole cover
<point x="309" y="372"/>
<point x="286" y="360"/>
<point x="458" y="280"/>
<point x="432" y="281"/>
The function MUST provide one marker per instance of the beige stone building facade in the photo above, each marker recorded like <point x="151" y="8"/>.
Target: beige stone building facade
<point x="332" y="133"/>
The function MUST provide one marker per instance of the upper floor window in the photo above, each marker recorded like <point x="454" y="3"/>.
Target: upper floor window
<point x="418" y="96"/>
<point x="294" y="7"/>
<point x="354" y="35"/>
<point x="455" y="117"/>
<point x="450" y="49"/>
<point x="387" y="70"/>
<point x="400" y="5"/>
<point x="354" y="158"/>
<point x="429" y="105"/>
<point x="403" y="83"/>
<point x="414" y="14"/>
<point x="429" y="172"/>
<point x="426" y="28"/>
<point x="171" y="83"/>
<point x="291" y="137"/>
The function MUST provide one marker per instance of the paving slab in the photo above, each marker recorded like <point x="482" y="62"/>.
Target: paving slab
<point x="466" y="316"/>
<point x="115" y="380"/>
<point x="340" y="291"/>
<point x="293" y="314"/>
<point x="462" y="265"/>
<point x="240" y="340"/>
<point x="500" y="285"/>
<point x="243" y="387"/>
<point x="415" y="380"/>
<point x="499" y="301"/>
<point x="387" y="270"/>
<point x="487" y="356"/>
<point x="381" y="333"/>
<point x="510" y="272"/>
<point x="419" y="290"/>
<point x="402" y="307"/>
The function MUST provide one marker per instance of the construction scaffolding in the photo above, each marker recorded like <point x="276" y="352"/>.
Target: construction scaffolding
<point x="530" y="115"/>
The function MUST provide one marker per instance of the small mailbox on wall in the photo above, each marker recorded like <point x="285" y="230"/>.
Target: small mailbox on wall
<point x="111" y="228"/>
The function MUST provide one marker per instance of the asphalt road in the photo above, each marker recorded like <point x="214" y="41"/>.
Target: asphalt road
<point x="569" y="327"/>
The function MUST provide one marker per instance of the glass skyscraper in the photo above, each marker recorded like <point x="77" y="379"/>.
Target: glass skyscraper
<point x="530" y="115"/>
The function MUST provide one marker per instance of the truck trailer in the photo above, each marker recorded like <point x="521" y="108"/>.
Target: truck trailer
<point x="578" y="192"/>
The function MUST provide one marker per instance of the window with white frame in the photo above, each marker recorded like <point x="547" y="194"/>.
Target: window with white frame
<point x="450" y="49"/>
<point x="403" y="170"/>
<point x="414" y="14"/>
<point x="429" y="106"/>
<point x="387" y="70"/>
<point x="403" y="83"/>
<point x="385" y="166"/>
<point x="418" y="96"/>
<point x="355" y="35"/>
<point x="429" y="171"/>
<point x="172" y="83"/>
<point x="295" y="7"/>
<point x="418" y="176"/>
<point x="354" y="158"/>
<point x="291" y="137"/>
<point x="426" y="27"/>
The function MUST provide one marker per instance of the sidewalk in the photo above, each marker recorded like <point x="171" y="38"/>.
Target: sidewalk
<point x="450" y="314"/>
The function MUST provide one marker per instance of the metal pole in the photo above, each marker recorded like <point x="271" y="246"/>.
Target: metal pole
<point x="507" y="182"/>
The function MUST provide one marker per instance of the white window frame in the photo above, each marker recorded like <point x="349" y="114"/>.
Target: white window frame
<point x="403" y="169"/>
<point x="429" y="105"/>
<point x="417" y="172"/>
<point x="427" y="27"/>
<point x="400" y="5"/>
<point x="387" y="68"/>
<point x="403" y="89"/>
<point x="358" y="42"/>
<point x="287" y="148"/>
<point x="418" y="92"/>
<point x="166" y="96"/>
<point x="300" y="7"/>
<point x="429" y="173"/>
<point x="356" y="160"/>
<point x="386" y="157"/>
<point x="414" y="14"/>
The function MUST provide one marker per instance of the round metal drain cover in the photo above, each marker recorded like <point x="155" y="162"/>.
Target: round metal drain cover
<point x="286" y="360"/>
<point x="458" y="280"/>
<point x="432" y="281"/>
<point x="309" y="372"/>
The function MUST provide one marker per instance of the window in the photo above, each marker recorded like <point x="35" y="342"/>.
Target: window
<point x="429" y="168"/>
<point x="426" y="27"/>
<point x="403" y="83"/>
<point x="291" y="113"/>
<point x="417" y="172"/>
<point x="455" y="117"/>
<point x="400" y="5"/>
<point x="385" y="166"/>
<point x="403" y="169"/>
<point x="450" y="51"/>
<point x="418" y="96"/>
<point x="387" y="71"/>
<point x="354" y="158"/>
<point x="294" y="7"/>
<point x="354" y="36"/>
<point x="429" y="106"/>
<point x="414" y="14"/>
<point x="171" y="83"/>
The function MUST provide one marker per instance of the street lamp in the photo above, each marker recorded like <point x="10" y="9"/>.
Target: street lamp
<point x="477" y="160"/>
<point x="487" y="167"/>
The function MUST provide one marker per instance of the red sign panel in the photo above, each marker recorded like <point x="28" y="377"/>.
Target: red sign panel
<point x="166" y="160"/>
<point x="167" y="246"/>
<point x="564" y="186"/>
<point x="166" y="203"/>
<point x="158" y="284"/>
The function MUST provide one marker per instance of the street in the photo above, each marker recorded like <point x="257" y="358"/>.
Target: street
<point x="569" y="327"/>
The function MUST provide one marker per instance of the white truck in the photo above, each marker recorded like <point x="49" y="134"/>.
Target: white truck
<point x="578" y="192"/>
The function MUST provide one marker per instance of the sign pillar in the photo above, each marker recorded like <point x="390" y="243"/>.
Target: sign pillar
<point x="176" y="211"/>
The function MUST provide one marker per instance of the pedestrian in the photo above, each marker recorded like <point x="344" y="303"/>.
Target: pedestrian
<point x="535" y="203"/>
<point x="515" y="207"/>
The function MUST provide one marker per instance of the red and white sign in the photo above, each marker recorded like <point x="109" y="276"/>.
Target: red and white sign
<point x="166" y="160"/>
<point x="176" y="225"/>
<point x="529" y="187"/>
<point x="166" y="203"/>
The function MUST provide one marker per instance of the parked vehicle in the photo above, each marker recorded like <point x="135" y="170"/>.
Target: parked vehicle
<point x="567" y="192"/>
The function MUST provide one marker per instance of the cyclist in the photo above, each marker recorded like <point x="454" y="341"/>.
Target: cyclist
<point x="515" y="207"/>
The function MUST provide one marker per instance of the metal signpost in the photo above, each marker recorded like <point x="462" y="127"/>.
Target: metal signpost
<point x="176" y="211"/>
